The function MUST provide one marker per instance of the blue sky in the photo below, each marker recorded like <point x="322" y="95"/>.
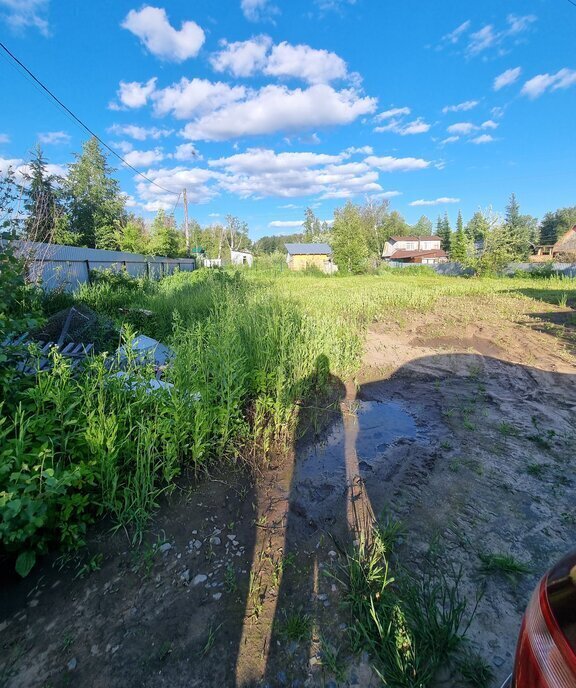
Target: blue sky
<point x="261" y="107"/>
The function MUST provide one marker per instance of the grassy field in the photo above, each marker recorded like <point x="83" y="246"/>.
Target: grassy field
<point x="251" y="347"/>
<point x="248" y="346"/>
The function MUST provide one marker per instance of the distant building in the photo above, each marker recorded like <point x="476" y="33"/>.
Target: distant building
<point x="414" y="249"/>
<point x="563" y="251"/>
<point x="241" y="258"/>
<point x="302" y="256"/>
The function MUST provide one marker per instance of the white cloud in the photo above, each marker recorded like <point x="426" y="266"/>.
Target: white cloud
<point x="454" y="36"/>
<point x="23" y="14"/>
<point x="483" y="138"/>
<point x="138" y="158"/>
<point x="245" y="58"/>
<point x="483" y="39"/>
<point x="507" y="78"/>
<point x="450" y="139"/>
<point x="541" y="83"/>
<point x="388" y="163"/>
<point x="195" y="180"/>
<point x="437" y="201"/>
<point x="461" y="107"/>
<point x="54" y="137"/>
<point x="394" y="112"/>
<point x="289" y="206"/>
<point x="188" y="98"/>
<point x="260" y="173"/>
<point x="461" y="128"/>
<point x="488" y="37"/>
<point x="304" y="62"/>
<point x="242" y="58"/>
<point x="285" y="223"/>
<point x="187" y="151"/>
<point x="4" y="138"/>
<point x="333" y="5"/>
<point x="520" y="24"/>
<point x="266" y="161"/>
<point x="467" y="128"/>
<point x="139" y="133"/>
<point x="277" y="108"/>
<point x="10" y="164"/>
<point x="152" y="27"/>
<point x="258" y="10"/>
<point x="364" y="150"/>
<point x="417" y="126"/>
<point x="134" y="94"/>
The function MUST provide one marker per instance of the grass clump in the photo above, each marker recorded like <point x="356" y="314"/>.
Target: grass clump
<point x="296" y="626"/>
<point x="502" y="564"/>
<point x="475" y="671"/>
<point x="411" y="622"/>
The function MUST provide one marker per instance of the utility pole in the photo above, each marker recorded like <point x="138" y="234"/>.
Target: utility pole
<point x="186" y="231"/>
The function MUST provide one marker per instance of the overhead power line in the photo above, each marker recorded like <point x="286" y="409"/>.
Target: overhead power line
<point x="80" y="122"/>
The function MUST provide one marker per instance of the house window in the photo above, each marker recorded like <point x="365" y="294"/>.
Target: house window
<point x="410" y="245"/>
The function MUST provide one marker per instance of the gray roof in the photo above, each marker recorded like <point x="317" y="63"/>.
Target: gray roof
<point x="308" y="249"/>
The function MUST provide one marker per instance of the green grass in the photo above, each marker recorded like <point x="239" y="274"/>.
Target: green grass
<point x="502" y="564"/>
<point x="411" y="621"/>
<point x="475" y="671"/>
<point x="296" y="626"/>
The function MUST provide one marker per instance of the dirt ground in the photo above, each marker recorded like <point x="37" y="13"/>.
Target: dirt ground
<point x="463" y="430"/>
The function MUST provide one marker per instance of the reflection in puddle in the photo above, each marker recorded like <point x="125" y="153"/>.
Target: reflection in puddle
<point x="323" y="469"/>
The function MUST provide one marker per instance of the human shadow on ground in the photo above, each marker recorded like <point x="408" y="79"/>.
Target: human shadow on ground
<point x="387" y="444"/>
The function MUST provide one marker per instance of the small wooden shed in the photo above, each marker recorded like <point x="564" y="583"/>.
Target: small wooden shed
<point x="302" y="256"/>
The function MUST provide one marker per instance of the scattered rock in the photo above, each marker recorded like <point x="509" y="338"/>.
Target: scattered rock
<point x="231" y="537"/>
<point x="165" y="547"/>
<point x="216" y="596"/>
<point x="72" y="664"/>
<point x="197" y="544"/>
<point x="332" y="554"/>
<point x="498" y="661"/>
<point x="322" y="597"/>
<point x="200" y="578"/>
<point x="314" y="661"/>
<point x="185" y="576"/>
<point x="215" y="540"/>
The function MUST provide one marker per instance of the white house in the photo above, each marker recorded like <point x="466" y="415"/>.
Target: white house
<point x="414" y="249"/>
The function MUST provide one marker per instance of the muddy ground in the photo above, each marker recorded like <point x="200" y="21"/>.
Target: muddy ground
<point x="462" y="428"/>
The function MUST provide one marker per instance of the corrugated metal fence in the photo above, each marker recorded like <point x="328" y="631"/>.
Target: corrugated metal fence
<point x="65" y="267"/>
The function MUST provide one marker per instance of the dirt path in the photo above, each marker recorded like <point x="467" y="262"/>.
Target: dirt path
<point x="466" y="434"/>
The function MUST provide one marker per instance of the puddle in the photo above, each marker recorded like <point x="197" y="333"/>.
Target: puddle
<point x="321" y="473"/>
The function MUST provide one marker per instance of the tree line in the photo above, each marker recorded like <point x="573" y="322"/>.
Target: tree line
<point x="87" y="208"/>
<point x="487" y="242"/>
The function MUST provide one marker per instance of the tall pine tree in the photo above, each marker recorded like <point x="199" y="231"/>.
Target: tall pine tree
<point x="520" y="229"/>
<point x="444" y="232"/>
<point x="459" y="250"/>
<point x="95" y="202"/>
<point x="40" y="201"/>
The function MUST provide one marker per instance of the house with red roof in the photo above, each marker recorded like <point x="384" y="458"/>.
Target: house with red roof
<point x="414" y="249"/>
